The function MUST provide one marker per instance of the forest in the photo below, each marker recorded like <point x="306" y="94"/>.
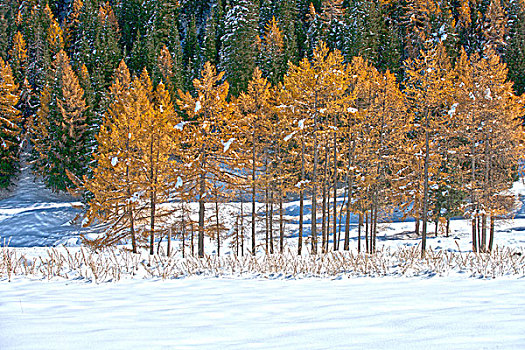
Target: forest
<point x="144" y="108"/>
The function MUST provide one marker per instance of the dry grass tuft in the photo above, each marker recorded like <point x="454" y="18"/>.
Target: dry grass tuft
<point x="118" y="263"/>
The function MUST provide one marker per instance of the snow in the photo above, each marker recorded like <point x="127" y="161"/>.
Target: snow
<point x="35" y="216"/>
<point x="180" y="126"/>
<point x="289" y="136"/>
<point x="114" y="161"/>
<point x="216" y="313"/>
<point x="488" y="94"/>
<point x="352" y="110"/>
<point x="301" y="124"/>
<point x="179" y="182"/>
<point x="453" y="311"/>
<point x="198" y="106"/>
<point x="452" y="110"/>
<point x="228" y="144"/>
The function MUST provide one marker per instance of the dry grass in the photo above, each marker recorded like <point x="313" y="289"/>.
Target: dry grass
<point x="118" y="263"/>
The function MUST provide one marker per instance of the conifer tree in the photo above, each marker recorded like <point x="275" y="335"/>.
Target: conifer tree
<point x="429" y="88"/>
<point x="239" y="51"/>
<point x="154" y="112"/>
<point x="55" y="38"/>
<point x="381" y="145"/>
<point x="515" y="50"/>
<point x="114" y="186"/>
<point x="9" y="125"/>
<point x="18" y="57"/>
<point x="254" y="105"/>
<point x="315" y="90"/>
<point x="272" y="52"/>
<point x="493" y="140"/>
<point x="211" y="141"/>
<point x="60" y="134"/>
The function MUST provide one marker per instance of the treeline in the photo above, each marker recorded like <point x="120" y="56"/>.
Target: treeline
<point x="447" y="145"/>
<point x="322" y="114"/>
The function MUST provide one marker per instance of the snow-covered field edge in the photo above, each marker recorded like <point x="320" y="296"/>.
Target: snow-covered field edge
<point x="115" y="264"/>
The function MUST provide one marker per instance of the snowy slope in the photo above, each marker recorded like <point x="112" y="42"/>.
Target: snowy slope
<point x="195" y="313"/>
<point x="34" y="216"/>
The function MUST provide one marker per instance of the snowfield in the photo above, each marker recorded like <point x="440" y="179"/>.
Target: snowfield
<point x="218" y="313"/>
<point x="454" y="309"/>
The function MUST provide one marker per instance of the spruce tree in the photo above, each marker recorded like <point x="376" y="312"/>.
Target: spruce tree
<point x="238" y="54"/>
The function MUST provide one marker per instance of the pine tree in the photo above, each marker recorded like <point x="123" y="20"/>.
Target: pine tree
<point x="55" y="38"/>
<point x="515" y="51"/>
<point x="61" y="132"/>
<point x="239" y="51"/>
<point x="191" y="57"/>
<point x="381" y="144"/>
<point x="9" y="125"/>
<point x="212" y="34"/>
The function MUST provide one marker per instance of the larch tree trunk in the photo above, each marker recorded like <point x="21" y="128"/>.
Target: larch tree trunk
<point x="425" y="189"/>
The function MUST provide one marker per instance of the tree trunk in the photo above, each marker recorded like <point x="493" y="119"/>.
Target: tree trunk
<point x="202" y="191"/>
<point x="271" y="221"/>
<point x="448" y="227"/>
<point x="301" y="200"/>
<point x="281" y="220"/>
<point x="314" y="191"/>
<point x="474" y="235"/>
<point x="253" y="196"/>
<point x="491" y="238"/>
<point x="266" y="218"/>
<point x="191" y="240"/>
<point x="168" y="248"/>
<point x="359" y="232"/>
<point x="484" y="233"/>
<point x="217" y="223"/>
<point x="375" y="229"/>
<point x="152" y="223"/>
<point x="335" y="181"/>
<point x="242" y="225"/>
<point x="366" y="232"/>
<point x="323" y="209"/>
<point x="425" y="189"/>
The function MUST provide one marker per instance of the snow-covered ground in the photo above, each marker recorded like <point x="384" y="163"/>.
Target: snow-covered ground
<point x="215" y="313"/>
<point x="250" y="312"/>
<point x="34" y="216"/>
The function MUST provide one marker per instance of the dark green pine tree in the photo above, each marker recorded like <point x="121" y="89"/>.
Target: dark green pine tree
<point x="60" y="133"/>
<point x="35" y="22"/>
<point x="515" y="50"/>
<point x="98" y="47"/>
<point x="286" y="15"/>
<point x="212" y="34"/>
<point x="333" y="24"/>
<point x="371" y="34"/>
<point x="191" y="58"/>
<point x="7" y="27"/>
<point x="239" y="52"/>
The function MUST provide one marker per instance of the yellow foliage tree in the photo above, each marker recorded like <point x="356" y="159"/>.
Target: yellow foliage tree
<point x="211" y="141"/>
<point x="9" y="125"/>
